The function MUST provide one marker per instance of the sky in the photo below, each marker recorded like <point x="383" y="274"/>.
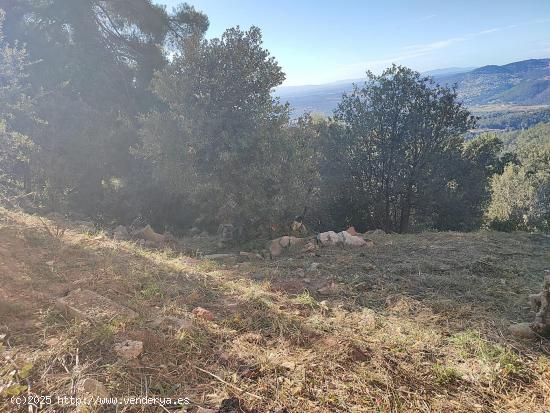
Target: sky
<point x="320" y="41"/>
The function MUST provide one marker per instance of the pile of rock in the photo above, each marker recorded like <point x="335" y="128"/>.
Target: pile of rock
<point x="349" y="237"/>
<point x="540" y="304"/>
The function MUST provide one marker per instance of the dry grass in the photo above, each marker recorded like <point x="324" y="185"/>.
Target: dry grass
<point x="416" y="323"/>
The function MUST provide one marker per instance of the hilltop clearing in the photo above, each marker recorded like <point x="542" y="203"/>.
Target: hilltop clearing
<point x="410" y="323"/>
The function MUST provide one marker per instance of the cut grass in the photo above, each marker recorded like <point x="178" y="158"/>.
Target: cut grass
<point x="418" y="325"/>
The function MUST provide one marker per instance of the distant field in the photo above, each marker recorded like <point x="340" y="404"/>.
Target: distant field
<point x="508" y="108"/>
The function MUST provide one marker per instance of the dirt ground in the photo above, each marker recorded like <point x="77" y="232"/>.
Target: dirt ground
<point x="415" y="323"/>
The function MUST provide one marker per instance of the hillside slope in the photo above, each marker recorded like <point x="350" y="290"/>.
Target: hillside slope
<point x="414" y="323"/>
<point x="520" y="83"/>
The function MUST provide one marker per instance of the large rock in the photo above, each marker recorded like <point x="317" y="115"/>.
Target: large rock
<point x="344" y="237"/>
<point x="329" y="238"/>
<point x="277" y="245"/>
<point x="148" y="234"/>
<point x="352" y="240"/>
<point x="88" y="305"/>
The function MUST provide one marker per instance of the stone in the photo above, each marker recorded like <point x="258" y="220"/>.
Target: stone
<point x="277" y="245"/>
<point x="351" y="231"/>
<point x="129" y="349"/>
<point x="148" y="234"/>
<point x="352" y="240"/>
<point x="203" y="313"/>
<point x="89" y="305"/>
<point x="329" y="238"/>
<point x="540" y="304"/>
<point x="309" y="247"/>
<point x="203" y="410"/>
<point x="522" y="330"/>
<point x="275" y="249"/>
<point x="92" y="387"/>
<point x="121" y="233"/>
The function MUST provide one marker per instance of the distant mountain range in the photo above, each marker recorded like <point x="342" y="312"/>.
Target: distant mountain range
<point x="520" y="83"/>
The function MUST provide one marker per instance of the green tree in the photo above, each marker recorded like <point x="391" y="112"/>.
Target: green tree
<point x="92" y="65"/>
<point x="395" y="131"/>
<point x="222" y="143"/>
<point x="520" y="197"/>
<point x="16" y="115"/>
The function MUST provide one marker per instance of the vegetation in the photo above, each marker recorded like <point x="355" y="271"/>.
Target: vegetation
<point x="119" y="109"/>
<point x="417" y="323"/>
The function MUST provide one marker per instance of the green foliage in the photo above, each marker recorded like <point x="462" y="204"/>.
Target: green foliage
<point x="92" y="65"/>
<point x="392" y="142"/>
<point x="222" y="143"/>
<point x="16" y="109"/>
<point x="520" y="197"/>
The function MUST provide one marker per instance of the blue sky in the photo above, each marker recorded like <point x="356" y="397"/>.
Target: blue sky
<point x="319" y="41"/>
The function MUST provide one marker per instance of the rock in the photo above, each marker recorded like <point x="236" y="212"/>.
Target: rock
<point x="148" y="234"/>
<point x="88" y="305"/>
<point x="351" y="231"/>
<point x="275" y="249"/>
<point x="369" y="243"/>
<point x="129" y="349"/>
<point x="352" y="240"/>
<point x="121" y="233"/>
<point x="203" y="313"/>
<point x="329" y="238"/>
<point x="203" y="410"/>
<point x="277" y="245"/>
<point x="540" y="304"/>
<point x="522" y="330"/>
<point x="92" y="387"/>
<point x="309" y="247"/>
